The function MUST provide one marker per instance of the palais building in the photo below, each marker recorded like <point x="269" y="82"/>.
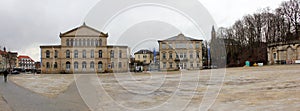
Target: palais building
<point x="284" y="52"/>
<point x="180" y="52"/>
<point x="83" y="50"/>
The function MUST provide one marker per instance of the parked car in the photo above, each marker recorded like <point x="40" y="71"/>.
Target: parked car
<point x="15" y="72"/>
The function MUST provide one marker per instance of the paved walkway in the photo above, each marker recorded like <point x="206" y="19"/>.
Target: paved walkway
<point x="21" y="99"/>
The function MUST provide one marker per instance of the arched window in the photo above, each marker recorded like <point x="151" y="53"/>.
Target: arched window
<point x="100" y="65"/>
<point x="84" y="54"/>
<point x="100" y="42"/>
<point x="47" y="54"/>
<point x="83" y="65"/>
<point x="68" y="54"/>
<point x="76" y="54"/>
<point x="68" y="42"/>
<point x="92" y="65"/>
<point x="76" y="65"/>
<point x="55" y="54"/>
<point x="68" y="65"/>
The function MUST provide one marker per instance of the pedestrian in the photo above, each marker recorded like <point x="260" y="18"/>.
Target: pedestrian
<point x="5" y="75"/>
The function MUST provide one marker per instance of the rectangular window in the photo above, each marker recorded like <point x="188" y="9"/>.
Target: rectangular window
<point x="55" y="65"/>
<point x="191" y="55"/>
<point x="120" y="64"/>
<point x="120" y="54"/>
<point x="192" y="65"/>
<point x="164" y="56"/>
<point x="92" y="54"/>
<point x="84" y="54"/>
<point x="164" y="65"/>
<point x="170" y="55"/>
<point x="112" y="64"/>
<point x="275" y="56"/>
<point x="197" y="45"/>
<point x="100" y="54"/>
<point x="55" y="54"/>
<point x="171" y="65"/>
<point x="112" y="54"/>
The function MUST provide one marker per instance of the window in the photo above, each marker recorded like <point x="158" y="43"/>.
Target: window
<point x="92" y="65"/>
<point x="139" y="56"/>
<point x="83" y="65"/>
<point x="55" y="65"/>
<point x="191" y="46"/>
<point x="47" y="54"/>
<point x="68" y="54"/>
<point x="92" y="54"/>
<point x="170" y="55"/>
<point x="100" y="65"/>
<point x="112" y="64"/>
<point x="88" y="42"/>
<point x="112" y="54"/>
<point x="72" y="42"/>
<point x="120" y="64"/>
<point x="191" y="55"/>
<point x="100" y="42"/>
<point x="76" y="54"/>
<point x="120" y="54"/>
<point x="198" y="65"/>
<point x="68" y="42"/>
<point x="76" y="42"/>
<point x="198" y="54"/>
<point x="97" y="43"/>
<point x="164" y="65"/>
<point x="144" y="56"/>
<point x="275" y="55"/>
<point x="192" y="65"/>
<point x="197" y="45"/>
<point x="84" y="42"/>
<point x="100" y="54"/>
<point x="47" y="65"/>
<point x="76" y="65"/>
<point x="84" y="54"/>
<point x="164" y="56"/>
<point x="92" y="42"/>
<point x="55" y="54"/>
<point x="80" y="42"/>
<point x="163" y="46"/>
<point x="171" y="65"/>
<point x="184" y="55"/>
<point x="180" y="45"/>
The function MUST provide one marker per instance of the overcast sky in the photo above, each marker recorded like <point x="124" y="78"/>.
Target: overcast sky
<point x="26" y="24"/>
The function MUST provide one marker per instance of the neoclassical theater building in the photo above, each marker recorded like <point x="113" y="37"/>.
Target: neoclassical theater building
<point x="180" y="52"/>
<point x="83" y="50"/>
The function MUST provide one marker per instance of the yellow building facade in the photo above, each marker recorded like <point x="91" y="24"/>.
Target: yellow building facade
<point x="84" y="50"/>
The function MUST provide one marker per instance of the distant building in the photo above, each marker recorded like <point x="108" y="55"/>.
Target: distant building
<point x="84" y="50"/>
<point x="25" y="62"/>
<point x="37" y="65"/>
<point x="144" y="56"/>
<point x="284" y="53"/>
<point x="180" y="52"/>
<point x="7" y="59"/>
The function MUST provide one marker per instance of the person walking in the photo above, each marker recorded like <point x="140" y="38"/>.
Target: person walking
<point x="5" y="75"/>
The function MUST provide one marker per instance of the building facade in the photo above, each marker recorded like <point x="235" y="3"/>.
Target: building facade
<point x="284" y="53"/>
<point x="8" y="60"/>
<point x="144" y="56"/>
<point x="84" y="50"/>
<point x="25" y="62"/>
<point x="180" y="52"/>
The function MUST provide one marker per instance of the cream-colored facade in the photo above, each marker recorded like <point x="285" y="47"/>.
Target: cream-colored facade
<point x="84" y="50"/>
<point x="287" y="53"/>
<point x="180" y="52"/>
<point x="144" y="56"/>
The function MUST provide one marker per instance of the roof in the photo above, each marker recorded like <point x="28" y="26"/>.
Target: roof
<point x="50" y="46"/>
<point x="180" y="37"/>
<point x="24" y="57"/>
<point x="144" y="52"/>
<point x="83" y="31"/>
<point x="2" y="52"/>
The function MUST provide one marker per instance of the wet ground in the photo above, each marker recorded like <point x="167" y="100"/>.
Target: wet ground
<point x="256" y="88"/>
